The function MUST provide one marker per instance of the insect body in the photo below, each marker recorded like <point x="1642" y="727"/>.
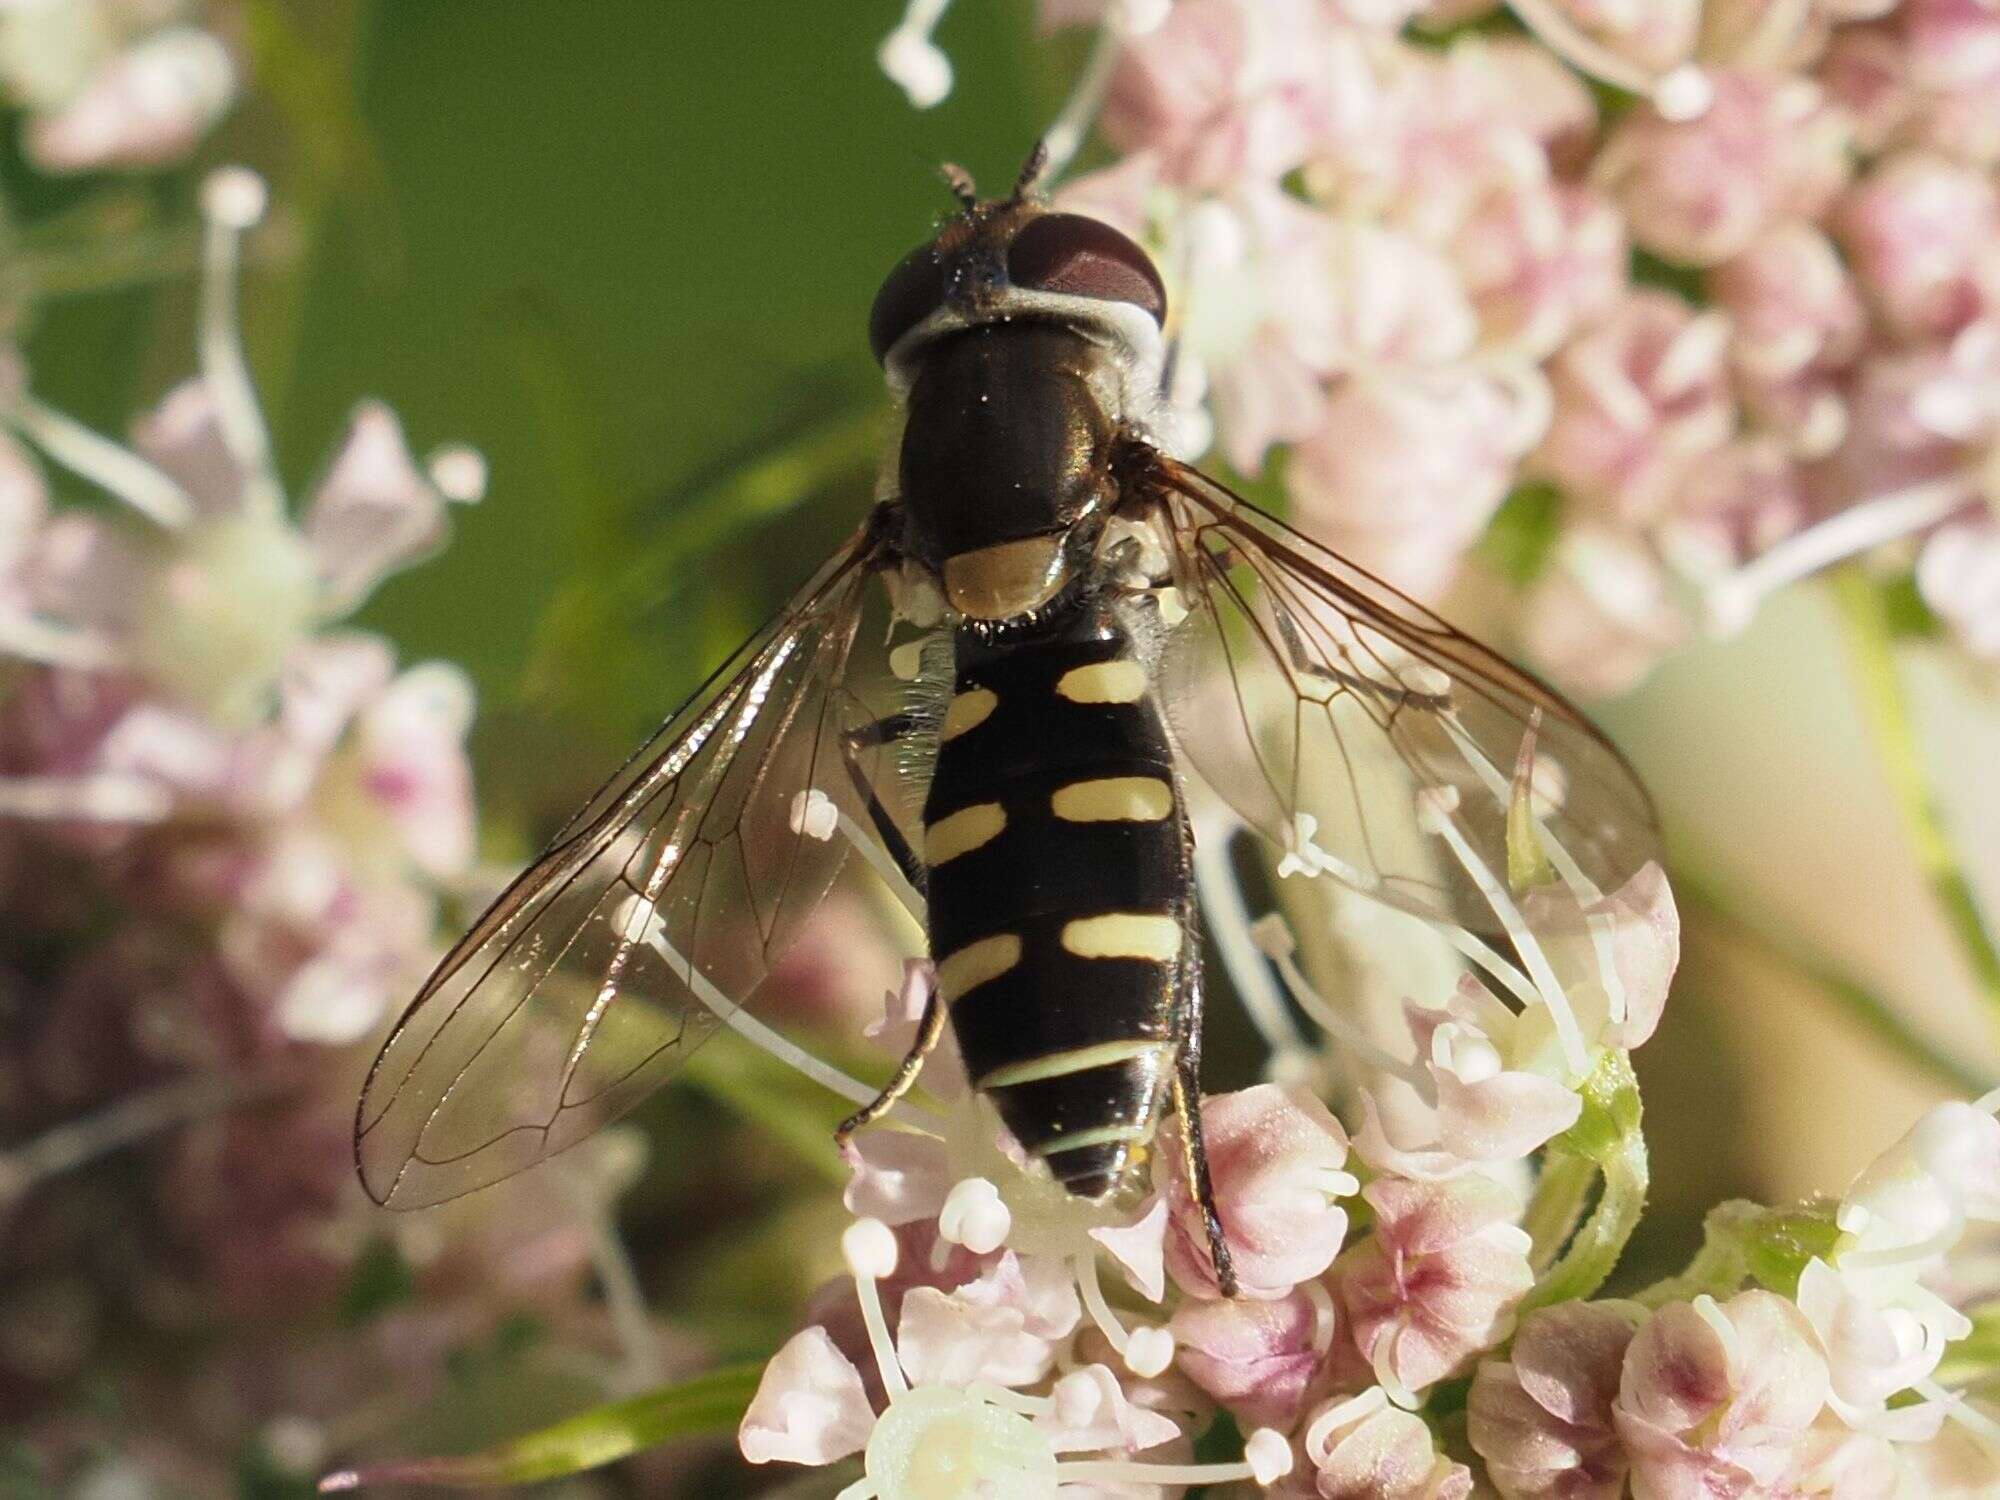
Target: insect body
<point x="1120" y="629"/>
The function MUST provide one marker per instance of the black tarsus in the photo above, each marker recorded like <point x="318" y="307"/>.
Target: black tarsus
<point x="1187" y="1109"/>
<point x="929" y="1029"/>
<point x="867" y="737"/>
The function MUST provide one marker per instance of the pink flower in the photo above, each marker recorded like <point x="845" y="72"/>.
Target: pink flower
<point x="1366" y="1449"/>
<point x="1276" y="1157"/>
<point x="1641" y="397"/>
<point x="1406" y="470"/>
<point x="146" y="106"/>
<point x="1542" y="1417"/>
<point x="1638" y="929"/>
<point x="1496" y="1080"/>
<point x="1539" y="259"/>
<point x="810" y="1406"/>
<point x="1224" y="90"/>
<point x="1874" y="1351"/>
<point x="1258" y="1359"/>
<point x="1089" y="1411"/>
<point x="1600" y="616"/>
<point x="1958" y="574"/>
<point x="1920" y="232"/>
<point x="373" y="513"/>
<point x="1437" y="1281"/>
<point x="1766" y="149"/>
<point x="1796" y="322"/>
<point x="1717" y="1398"/>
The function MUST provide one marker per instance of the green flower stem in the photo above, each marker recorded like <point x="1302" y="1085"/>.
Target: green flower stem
<point x="1865" y="616"/>
<point x="709" y="1403"/>
<point x="1743" y="1241"/>
<point x="1696" y="892"/>
<point x="1561" y="1193"/>
<point x="1608" y="1141"/>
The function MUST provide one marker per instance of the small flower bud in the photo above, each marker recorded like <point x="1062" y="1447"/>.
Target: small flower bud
<point x="975" y="1216"/>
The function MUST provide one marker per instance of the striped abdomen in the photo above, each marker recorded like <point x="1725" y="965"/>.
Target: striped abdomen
<point x="1059" y="890"/>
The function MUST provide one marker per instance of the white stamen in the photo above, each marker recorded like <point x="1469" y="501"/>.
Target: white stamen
<point x="228" y="197"/>
<point x="814" y="815"/>
<point x="113" y="469"/>
<point x="869" y="1248"/>
<point x="912" y="61"/>
<point x="1339" y="1415"/>
<point x="42" y="641"/>
<point x="1324" y="1320"/>
<point x="1684" y="94"/>
<point x="235" y="197"/>
<point x="1583" y="52"/>
<point x="1430" y="803"/>
<point x="781" y="1047"/>
<point x="1732" y="602"/>
<point x="1269" y="1455"/>
<point x="975" y="1216"/>
<point x="1148" y="1351"/>
<point x="871" y="850"/>
<point x="459" y="472"/>
<point x="1236" y="942"/>
<point x="1271" y="930"/>
<point x="96" y="797"/>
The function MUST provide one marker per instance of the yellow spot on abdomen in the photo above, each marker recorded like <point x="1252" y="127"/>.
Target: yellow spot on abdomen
<point x="967" y="710"/>
<point x="963" y="831"/>
<point x="1114" y="799"/>
<point x="962" y="972"/>
<point x="1103" y="682"/>
<point x="1124" y="934"/>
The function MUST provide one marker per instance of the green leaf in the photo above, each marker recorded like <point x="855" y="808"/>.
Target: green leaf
<point x="1523" y="532"/>
<point x="775" y="1097"/>
<point x="1685" y="282"/>
<point x="710" y="1403"/>
<point x="381" y="1278"/>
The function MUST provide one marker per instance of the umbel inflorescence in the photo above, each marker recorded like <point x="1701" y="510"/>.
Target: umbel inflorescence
<point x="1417" y="1311"/>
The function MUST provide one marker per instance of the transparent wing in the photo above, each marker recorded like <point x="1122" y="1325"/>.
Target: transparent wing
<point x="1320" y="702"/>
<point x="659" y="908"/>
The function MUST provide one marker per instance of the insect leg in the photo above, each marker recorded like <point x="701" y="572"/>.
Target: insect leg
<point x="929" y="1029"/>
<point x="1187" y="1110"/>
<point x="867" y="737"/>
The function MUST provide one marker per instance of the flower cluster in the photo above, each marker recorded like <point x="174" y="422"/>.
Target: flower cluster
<point x="112" y="83"/>
<point x="1822" y="1381"/>
<point x="1724" y="321"/>
<point x="227" y="823"/>
<point x="1410" y="1313"/>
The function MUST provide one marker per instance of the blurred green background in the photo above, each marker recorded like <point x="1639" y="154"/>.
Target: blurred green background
<point x="624" y="248"/>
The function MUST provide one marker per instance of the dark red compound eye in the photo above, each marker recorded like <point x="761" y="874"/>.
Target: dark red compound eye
<point x="910" y="293"/>
<point x="1085" y="257"/>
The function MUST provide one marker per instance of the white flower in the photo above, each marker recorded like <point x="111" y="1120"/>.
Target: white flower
<point x="955" y="1426"/>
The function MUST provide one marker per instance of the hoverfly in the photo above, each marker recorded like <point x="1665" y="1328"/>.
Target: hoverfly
<point x="1112" y="627"/>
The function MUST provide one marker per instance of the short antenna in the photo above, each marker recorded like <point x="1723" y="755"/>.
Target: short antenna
<point x="961" y="184"/>
<point x="1032" y="170"/>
